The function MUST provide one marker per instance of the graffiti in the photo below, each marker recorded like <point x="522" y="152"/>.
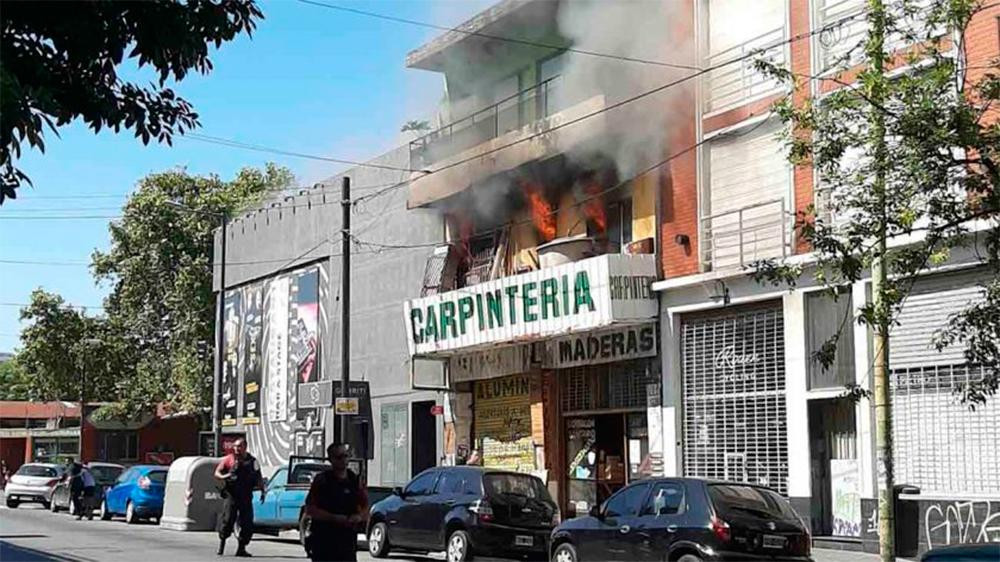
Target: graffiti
<point x="871" y="522"/>
<point x="961" y="522"/>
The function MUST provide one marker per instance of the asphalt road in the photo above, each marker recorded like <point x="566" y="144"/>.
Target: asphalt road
<point x="31" y="534"/>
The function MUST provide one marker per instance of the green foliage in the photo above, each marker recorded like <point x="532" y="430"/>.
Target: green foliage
<point x="159" y="266"/>
<point x="60" y="62"/>
<point x="940" y="167"/>
<point x="13" y="380"/>
<point x="415" y="126"/>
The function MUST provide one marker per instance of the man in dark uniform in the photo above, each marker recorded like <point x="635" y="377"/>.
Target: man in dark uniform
<point x="240" y="473"/>
<point x="337" y="505"/>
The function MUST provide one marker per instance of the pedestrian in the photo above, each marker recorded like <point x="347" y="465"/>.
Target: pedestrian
<point x="4" y="475"/>
<point x="240" y="473"/>
<point x="74" y="472"/>
<point x="85" y="505"/>
<point x="337" y="505"/>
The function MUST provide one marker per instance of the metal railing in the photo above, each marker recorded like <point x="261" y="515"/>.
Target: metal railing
<point x="736" y="83"/>
<point x="739" y="237"/>
<point x="509" y="114"/>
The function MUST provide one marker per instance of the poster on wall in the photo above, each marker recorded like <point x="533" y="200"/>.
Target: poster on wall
<point x="846" y="497"/>
<point x="231" y="360"/>
<point x="502" y="412"/>
<point x="303" y="332"/>
<point x="277" y="354"/>
<point x="311" y="443"/>
<point x="251" y="351"/>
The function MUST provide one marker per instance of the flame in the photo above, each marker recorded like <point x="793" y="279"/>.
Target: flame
<point x="593" y="206"/>
<point x="542" y="213"/>
<point x="464" y="227"/>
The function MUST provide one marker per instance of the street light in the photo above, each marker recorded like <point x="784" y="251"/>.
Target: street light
<point x="220" y="318"/>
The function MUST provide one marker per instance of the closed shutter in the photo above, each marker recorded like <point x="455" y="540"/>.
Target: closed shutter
<point x="925" y="311"/>
<point x="751" y="172"/>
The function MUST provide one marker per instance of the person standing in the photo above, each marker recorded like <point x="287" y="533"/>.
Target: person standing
<point x="85" y="503"/>
<point x="240" y="473"/>
<point x="337" y="505"/>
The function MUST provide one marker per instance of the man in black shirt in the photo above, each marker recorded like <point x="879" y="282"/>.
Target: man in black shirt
<point x="337" y="505"/>
<point x="240" y="473"/>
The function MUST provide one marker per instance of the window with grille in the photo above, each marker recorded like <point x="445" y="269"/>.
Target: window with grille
<point x="940" y="444"/>
<point x="735" y="425"/>
<point x="618" y="386"/>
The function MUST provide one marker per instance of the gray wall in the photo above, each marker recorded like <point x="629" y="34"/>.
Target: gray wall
<point x="286" y="233"/>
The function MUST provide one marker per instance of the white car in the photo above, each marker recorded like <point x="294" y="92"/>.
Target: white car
<point x="33" y="482"/>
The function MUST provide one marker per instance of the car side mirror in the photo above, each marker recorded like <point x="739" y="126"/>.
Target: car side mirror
<point x="595" y="511"/>
<point x="397" y="491"/>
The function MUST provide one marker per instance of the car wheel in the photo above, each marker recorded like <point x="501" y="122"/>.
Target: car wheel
<point x="105" y="514"/>
<point x="46" y="505"/>
<point x="459" y="547"/>
<point x="303" y="532"/>
<point x="564" y="553"/>
<point x="689" y="558"/>
<point x="130" y="517"/>
<point x="12" y="503"/>
<point x="378" y="540"/>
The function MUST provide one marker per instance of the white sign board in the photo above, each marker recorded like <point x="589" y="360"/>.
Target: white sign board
<point x="602" y="346"/>
<point x="487" y="363"/>
<point x="277" y="350"/>
<point x="573" y="297"/>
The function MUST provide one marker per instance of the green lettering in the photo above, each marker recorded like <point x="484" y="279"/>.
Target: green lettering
<point x="581" y="292"/>
<point x="448" y="320"/>
<point x="549" y="290"/>
<point x="464" y="312"/>
<point x="416" y="318"/>
<point x="431" y="328"/>
<point x="494" y="304"/>
<point x="511" y="296"/>
<point x="480" y="313"/>
<point x="529" y="301"/>
<point x="565" y="294"/>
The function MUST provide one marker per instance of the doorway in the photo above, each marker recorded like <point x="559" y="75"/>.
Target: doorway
<point x="835" y="508"/>
<point x="604" y="452"/>
<point x="424" y="452"/>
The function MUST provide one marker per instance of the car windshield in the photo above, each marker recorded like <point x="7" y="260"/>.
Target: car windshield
<point x="502" y="484"/>
<point x="304" y="473"/>
<point x="158" y="476"/>
<point x="106" y="474"/>
<point x="37" y="470"/>
<point x="729" y="498"/>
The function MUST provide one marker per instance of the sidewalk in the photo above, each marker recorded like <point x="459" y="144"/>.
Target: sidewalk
<point x="825" y="555"/>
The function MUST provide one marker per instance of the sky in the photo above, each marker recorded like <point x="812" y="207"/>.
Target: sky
<point x="310" y="80"/>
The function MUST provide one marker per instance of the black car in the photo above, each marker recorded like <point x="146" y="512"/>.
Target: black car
<point x="685" y="520"/>
<point x="981" y="552"/>
<point x="465" y="510"/>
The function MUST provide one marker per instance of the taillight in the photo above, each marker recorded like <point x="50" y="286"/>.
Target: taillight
<point x="482" y="509"/>
<point x="143" y="483"/>
<point x="721" y="529"/>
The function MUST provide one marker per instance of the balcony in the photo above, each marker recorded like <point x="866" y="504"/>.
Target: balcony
<point x="740" y="82"/>
<point x="737" y="238"/>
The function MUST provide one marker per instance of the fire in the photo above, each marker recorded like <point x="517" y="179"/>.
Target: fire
<point x="464" y="227"/>
<point x="593" y="206"/>
<point x="542" y="213"/>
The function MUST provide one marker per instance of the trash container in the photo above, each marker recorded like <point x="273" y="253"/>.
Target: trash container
<point x="907" y="520"/>
<point x="191" y="501"/>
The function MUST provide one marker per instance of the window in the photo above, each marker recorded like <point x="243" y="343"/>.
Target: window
<point x="826" y="317"/>
<point x="515" y="485"/>
<point x="37" y="471"/>
<point x="278" y="480"/>
<point x="619" y="229"/>
<point x="734" y="32"/>
<point x="121" y="445"/>
<point x="422" y="485"/>
<point x="304" y="473"/>
<point x="157" y="476"/>
<point x="625" y="502"/>
<point x="450" y="482"/>
<point x="728" y="498"/>
<point x="127" y="475"/>
<point x="666" y="499"/>
<point x="105" y="474"/>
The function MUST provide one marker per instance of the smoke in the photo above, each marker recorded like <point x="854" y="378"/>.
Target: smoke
<point x="656" y="30"/>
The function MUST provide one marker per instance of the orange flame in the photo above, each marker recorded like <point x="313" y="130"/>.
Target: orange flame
<point x="542" y="213"/>
<point x="593" y="206"/>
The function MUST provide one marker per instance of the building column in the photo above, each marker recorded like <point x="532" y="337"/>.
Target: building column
<point x="671" y="411"/>
<point x="863" y="409"/>
<point x="796" y="403"/>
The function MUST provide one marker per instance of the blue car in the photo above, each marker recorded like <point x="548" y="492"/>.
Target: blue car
<point x="137" y="494"/>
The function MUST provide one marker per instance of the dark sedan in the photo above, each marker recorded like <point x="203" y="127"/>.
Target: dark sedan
<point x="104" y="473"/>
<point x="688" y="520"/>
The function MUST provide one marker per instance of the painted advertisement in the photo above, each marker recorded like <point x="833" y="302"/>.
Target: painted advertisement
<point x="846" y="496"/>
<point x="277" y="354"/>
<point x="303" y="331"/>
<point x="251" y="337"/>
<point x="573" y="297"/>
<point x="502" y="412"/>
<point x="233" y="312"/>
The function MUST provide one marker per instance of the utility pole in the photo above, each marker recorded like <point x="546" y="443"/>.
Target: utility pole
<point x="220" y="341"/>
<point x="345" y="306"/>
<point x="876" y="87"/>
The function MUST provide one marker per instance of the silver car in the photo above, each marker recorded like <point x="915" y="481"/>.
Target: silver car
<point x="33" y="482"/>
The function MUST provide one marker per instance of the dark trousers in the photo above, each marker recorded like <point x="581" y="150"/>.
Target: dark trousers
<point x="82" y="499"/>
<point x="334" y="545"/>
<point x="236" y="509"/>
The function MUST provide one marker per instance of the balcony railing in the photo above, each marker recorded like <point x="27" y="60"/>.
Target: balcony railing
<point x="509" y="114"/>
<point x="739" y="237"/>
<point x="739" y="82"/>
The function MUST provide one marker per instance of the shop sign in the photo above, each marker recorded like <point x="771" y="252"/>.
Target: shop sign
<point x="502" y="408"/>
<point x="603" y="346"/>
<point x="488" y="363"/>
<point x="347" y="406"/>
<point x="574" y="297"/>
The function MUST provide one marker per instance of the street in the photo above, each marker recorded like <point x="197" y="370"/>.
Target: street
<point x="32" y="534"/>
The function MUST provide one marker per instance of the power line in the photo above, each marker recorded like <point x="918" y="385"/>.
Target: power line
<point x="22" y="305"/>
<point x="497" y="37"/>
<point x="60" y="217"/>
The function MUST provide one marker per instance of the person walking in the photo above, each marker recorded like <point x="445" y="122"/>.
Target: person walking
<point x="337" y="505"/>
<point x="240" y="474"/>
<point x="85" y="503"/>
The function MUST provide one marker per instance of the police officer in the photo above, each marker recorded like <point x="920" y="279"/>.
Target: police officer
<point x="240" y="473"/>
<point x="337" y="504"/>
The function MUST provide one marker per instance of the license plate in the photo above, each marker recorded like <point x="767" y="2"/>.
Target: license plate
<point x="524" y="540"/>
<point x="774" y="541"/>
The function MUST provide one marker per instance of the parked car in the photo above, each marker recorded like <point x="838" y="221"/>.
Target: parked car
<point x="465" y="511"/>
<point x="104" y="474"/>
<point x="33" y="482"/>
<point x="981" y="552"/>
<point x="687" y="520"/>
<point x="137" y="494"/>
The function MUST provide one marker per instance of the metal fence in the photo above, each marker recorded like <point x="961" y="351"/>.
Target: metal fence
<point x="740" y="81"/>
<point x="739" y="237"/>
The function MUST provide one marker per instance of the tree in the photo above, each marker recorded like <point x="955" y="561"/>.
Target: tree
<point x="13" y="380"/>
<point x="60" y="62"/>
<point x="908" y="165"/>
<point x="60" y="346"/>
<point x="159" y="266"/>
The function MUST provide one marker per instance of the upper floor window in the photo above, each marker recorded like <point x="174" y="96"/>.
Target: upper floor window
<point x="840" y="44"/>
<point x="736" y="29"/>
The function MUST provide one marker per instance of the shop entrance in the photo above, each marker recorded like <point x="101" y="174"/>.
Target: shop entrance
<point x="836" y="495"/>
<point x="604" y="453"/>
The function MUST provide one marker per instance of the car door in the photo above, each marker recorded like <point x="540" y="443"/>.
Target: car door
<point x="119" y="494"/>
<point x="660" y="522"/>
<point x="448" y="492"/>
<point x="267" y="513"/>
<point x="613" y="538"/>
<point x="405" y="528"/>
